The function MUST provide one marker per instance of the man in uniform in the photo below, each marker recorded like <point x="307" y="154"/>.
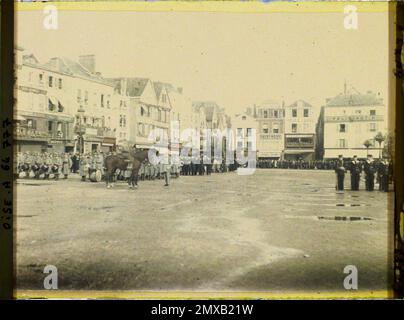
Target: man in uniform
<point x="56" y="168"/>
<point x="166" y="167"/>
<point x="66" y="165"/>
<point x="355" y="169"/>
<point x="383" y="172"/>
<point x="83" y="167"/>
<point x="370" y="169"/>
<point x="100" y="163"/>
<point x="340" y="172"/>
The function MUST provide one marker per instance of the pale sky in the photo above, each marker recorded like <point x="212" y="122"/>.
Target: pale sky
<point x="234" y="59"/>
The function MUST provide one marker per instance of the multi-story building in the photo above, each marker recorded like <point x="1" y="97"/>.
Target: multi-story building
<point x="245" y="133"/>
<point x="270" y="129"/>
<point x="63" y="106"/>
<point x="216" y="123"/>
<point x="299" y="131"/>
<point x="43" y="121"/>
<point x="148" y="112"/>
<point x="347" y="121"/>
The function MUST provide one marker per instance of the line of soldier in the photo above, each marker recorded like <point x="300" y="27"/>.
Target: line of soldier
<point x="381" y="169"/>
<point x="43" y="165"/>
<point x="89" y="163"/>
<point x="296" y="164"/>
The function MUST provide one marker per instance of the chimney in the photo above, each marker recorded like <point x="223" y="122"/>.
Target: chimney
<point x="88" y="61"/>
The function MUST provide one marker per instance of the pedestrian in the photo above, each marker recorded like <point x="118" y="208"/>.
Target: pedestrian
<point x="383" y="171"/>
<point x="66" y="165"/>
<point x="340" y="173"/>
<point x="370" y="169"/>
<point x="355" y="169"/>
<point x="83" y="166"/>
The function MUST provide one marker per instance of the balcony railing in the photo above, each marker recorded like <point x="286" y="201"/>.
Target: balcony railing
<point x="354" y="118"/>
<point x="22" y="132"/>
<point x="270" y="136"/>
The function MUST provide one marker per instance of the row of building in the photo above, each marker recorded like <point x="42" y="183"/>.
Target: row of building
<point x="67" y="106"/>
<point x="347" y="124"/>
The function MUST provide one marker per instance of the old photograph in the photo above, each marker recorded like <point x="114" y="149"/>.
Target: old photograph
<point x="203" y="149"/>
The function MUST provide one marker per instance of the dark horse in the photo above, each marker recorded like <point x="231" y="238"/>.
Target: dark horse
<point x="114" y="162"/>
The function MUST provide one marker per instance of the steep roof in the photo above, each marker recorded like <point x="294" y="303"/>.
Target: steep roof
<point x="355" y="99"/>
<point x="70" y="67"/>
<point x="305" y="104"/>
<point x="135" y="86"/>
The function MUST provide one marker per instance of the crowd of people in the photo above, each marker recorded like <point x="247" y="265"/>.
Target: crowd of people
<point x="296" y="164"/>
<point x="90" y="166"/>
<point x="380" y="170"/>
<point x="44" y="165"/>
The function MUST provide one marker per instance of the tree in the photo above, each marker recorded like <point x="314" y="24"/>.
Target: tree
<point x="367" y="144"/>
<point x="380" y="138"/>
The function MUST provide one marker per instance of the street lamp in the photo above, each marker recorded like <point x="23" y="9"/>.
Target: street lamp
<point x="367" y="144"/>
<point x="379" y="138"/>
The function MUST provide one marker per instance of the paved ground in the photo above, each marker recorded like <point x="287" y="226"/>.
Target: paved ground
<point x="219" y="232"/>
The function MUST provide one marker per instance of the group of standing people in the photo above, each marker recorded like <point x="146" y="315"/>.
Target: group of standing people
<point x="296" y="164"/>
<point x="43" y="165"/>
<point x="381" y="170"/>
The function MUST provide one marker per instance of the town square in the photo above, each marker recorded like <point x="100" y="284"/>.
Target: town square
<point x="203" y="151"/>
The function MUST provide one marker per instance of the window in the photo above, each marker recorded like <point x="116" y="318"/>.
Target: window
<point x="294" y="113"/>
<point x="342" y="127"/>
<point x="342" y="143"/>
<point x="31" y="123"/>
<point x="59" y="129"/>
<point x="239" y="132"/>
<point x="86" y="97"/>
<point x="142" y="111"/>
<point x="265" y="114"/>
<point x="372" y="112"/>
<point x="102" y="101"/>
<point x="41" y="78"/>
<point x="51" y="106"/>
<point x="306" y="113"/>
<point x="60" y="107"/>
<point x="159" y="115"/>
<point x="50" y="81"/>
<point x="78" y="95"/>
<point x="294" y="127"/>
<point x="372" y="126"/>
<point x="276" y="114"/>
<point x="275" y="128"/>
<point x="50" y="126"/>
<point x="60" y="83"/>
<point x="265" y="128"/>
<point x="122" y="121"/>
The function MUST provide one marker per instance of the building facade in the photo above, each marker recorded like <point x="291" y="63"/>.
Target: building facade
<point x="348" y="124"/>
<point x="300" y="129"/>
<point x="270" y="116"/>
<point x="63" y="106"/>
<point x="43" y="121"/>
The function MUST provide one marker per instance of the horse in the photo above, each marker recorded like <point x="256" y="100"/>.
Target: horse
<point x="114" y="162"/>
